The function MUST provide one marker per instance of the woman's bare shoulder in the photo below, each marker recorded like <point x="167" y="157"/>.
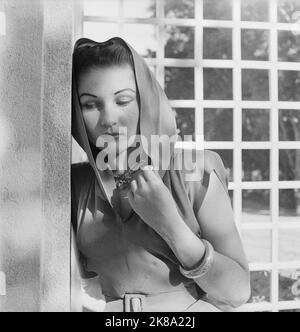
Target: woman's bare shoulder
<point x="200" y="161"/>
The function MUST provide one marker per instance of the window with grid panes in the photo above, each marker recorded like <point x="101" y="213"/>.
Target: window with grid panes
<point x="231" y="69"/>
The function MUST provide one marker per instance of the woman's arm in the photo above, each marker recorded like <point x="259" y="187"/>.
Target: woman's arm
<point x="228" y="279"/>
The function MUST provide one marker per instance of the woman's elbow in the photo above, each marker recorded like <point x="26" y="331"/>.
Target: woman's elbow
<point x="241" y="293"/>
<point x="240" y="299"/>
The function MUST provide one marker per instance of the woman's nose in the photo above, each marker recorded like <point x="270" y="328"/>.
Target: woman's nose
<point x="109" y="117"/>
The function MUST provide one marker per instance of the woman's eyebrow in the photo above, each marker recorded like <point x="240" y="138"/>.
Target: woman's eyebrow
<point x="87" y="94"/>
<point x="124" y="90"/>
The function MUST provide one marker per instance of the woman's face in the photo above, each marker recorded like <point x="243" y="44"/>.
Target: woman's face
<point x="108" y="98"/>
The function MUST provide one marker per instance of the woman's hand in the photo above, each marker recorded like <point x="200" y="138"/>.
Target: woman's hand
<point x="153" y="202"/>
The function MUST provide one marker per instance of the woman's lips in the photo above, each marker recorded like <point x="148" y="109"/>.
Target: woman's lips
<point x="113" y="135"/>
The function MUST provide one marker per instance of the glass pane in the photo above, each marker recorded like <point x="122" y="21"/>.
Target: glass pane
<point x="257" y="245"/>
<point x="100" y="31"/>
<point x="289" y="125"/>
<point x="101" y="8"/>
<point x="256" y="206"/>
<point x="256" y="125"/>
<point x="289" y="285"/>
<point x="255" y="10"/>
<point x="256" y="165"/>
<point x="289" y="85"/>
<point x="185" y="119"/>
<point x="255" y="44"/>
<point x="218" y="124"/>
<point x="289" y="205"/>
<point x="255" y="84"/>
<point x="260" y="286"/>
<point x="179" y="42"/>
<point x="289" y="244"/>
<point x="179" y="8"/>
<point x="179" y="83"/>
<point x="288" y="46"/>
<point x="288" y="11"/>
<point x="227" y="158"/>
<point x="289" y="165"/>
<point x="142" y="37"/>
<point x="218" y="84"/>
<point x="140" y="9"/>
<point x="217" y="43"/>
<point x="217" y="9"/>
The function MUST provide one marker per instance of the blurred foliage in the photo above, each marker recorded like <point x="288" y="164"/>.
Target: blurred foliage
<point x="287" y="202"/>
<point x="260" y="287"/>
<point x="217" y="43"/>
<point x="179" y="83"/>
<point x="255" y="84"/>
<point x="217" y="9"/>
<point x="289" y="285"/>
<point x="289" y="126"/>
<point x="255" y="44"/>
<point x="288" y="11"/>
<point x="256" y="165"/>
<point x="255" y="10"/>
<point x="289" y="46"/>
<point x="179" y="8"/>
<point x="221" y="118"/>
<point x="218" y="84"/>
<point x="289" y="85"/>
<point x="255" y="125"/>
<point x="288" y="170"/>
<point x="180" y="42"/>
<point x="256" y="201"/>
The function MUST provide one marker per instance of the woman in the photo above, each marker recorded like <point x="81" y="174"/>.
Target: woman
<point x="148" y="240"/>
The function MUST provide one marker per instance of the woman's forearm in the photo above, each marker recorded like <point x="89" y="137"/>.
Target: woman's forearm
<point x="226" y="281"/>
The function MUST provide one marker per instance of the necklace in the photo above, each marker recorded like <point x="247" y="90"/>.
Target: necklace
<point x="123" y="180"/>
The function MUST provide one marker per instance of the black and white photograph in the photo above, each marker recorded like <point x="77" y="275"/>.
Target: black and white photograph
<point x="150" y="158"/>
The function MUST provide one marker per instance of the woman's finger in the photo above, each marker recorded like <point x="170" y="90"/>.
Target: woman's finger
<point x="133" y="186"/>
<point x="130" y="197"/>
<point x="141" y="181"/>
<point x="148" y="173"/>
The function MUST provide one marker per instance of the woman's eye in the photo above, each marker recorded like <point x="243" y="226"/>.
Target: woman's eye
<point x="89" y="106"/>
<point x="123" y="102"/>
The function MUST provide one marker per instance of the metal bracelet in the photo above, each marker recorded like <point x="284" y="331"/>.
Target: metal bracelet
<point x="205" y="265"/>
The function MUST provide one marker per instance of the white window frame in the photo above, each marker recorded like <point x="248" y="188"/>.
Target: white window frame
<point x="237" y="104"/>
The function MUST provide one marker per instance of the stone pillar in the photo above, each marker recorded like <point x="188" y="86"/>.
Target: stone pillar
<point x="35" y="152"/>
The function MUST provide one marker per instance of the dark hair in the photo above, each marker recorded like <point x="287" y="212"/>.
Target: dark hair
<point x="112" y="52"/>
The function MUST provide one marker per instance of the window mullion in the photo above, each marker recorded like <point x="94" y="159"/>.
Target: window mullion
<point x="160" y="70"/>
<point x="199" y="82"/>
<point x="237" y="111"/>
<point x="274" y="154"/>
